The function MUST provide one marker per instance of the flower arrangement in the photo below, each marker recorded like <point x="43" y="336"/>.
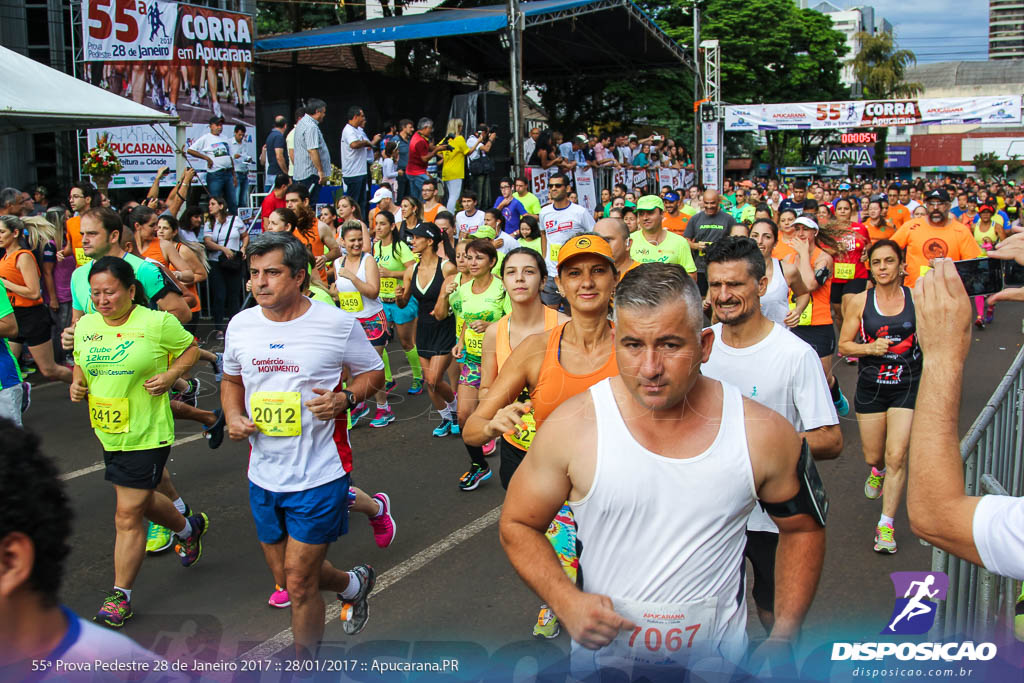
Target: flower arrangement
<point x="101" y="161"/>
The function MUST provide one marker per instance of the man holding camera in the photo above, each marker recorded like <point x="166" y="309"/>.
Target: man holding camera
<point x="480" y="166"/>
<point x="420" y="151"/>
<point x="934" y="236"/>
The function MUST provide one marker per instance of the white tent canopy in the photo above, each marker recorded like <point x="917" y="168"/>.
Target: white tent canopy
<point x="35" y="98"/>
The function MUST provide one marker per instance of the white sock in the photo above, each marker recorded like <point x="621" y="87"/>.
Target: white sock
<point x="885" y="521"/>
<point x="126" y="591"/>
<point x="382" y="406"/>
<point x="186" y="532"/>
<point x="380" y="507"/>
<point x="352" y="590"/>
<point x="179" y="505"/>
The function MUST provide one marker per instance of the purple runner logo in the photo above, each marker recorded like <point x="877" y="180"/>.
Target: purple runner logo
<point x="916" y="596"/>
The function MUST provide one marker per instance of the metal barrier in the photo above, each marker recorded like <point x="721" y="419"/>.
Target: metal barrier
<point x="993" y="455"/>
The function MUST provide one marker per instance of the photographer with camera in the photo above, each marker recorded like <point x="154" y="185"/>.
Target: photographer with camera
<point x="480" y="165"/>
<point x="453" y="172"/>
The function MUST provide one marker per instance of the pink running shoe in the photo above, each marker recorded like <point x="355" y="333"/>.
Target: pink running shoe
<point x="383" y="524"/>
<point x="489" y="447"/>
<point x="279" y="598"/>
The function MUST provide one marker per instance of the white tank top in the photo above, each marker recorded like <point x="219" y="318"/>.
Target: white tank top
<point x="775" y="302"/>
<point x="665" y="536"/>
<point x="349" y="298"/>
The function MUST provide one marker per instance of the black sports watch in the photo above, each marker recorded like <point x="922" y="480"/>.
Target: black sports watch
<point x="350" y="397"/>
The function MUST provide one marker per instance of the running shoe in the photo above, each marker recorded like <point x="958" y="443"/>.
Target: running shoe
<point x="383" y="524"/>
<point x="979" y="322"/>
<point x="26" y="396"/>
<point x="456" y="429"/>
<point x="884" y="541"/>
<point x="279" y="598"/>
<point x="990" y="315"/>
<point x="214" y="434"/>
<point x="383" y="418"/>
<point x="191" y="549"/>
<point x="116" y="609"/>
<point x="356" y="612"/>
<point x="443" y="429"/>
<point x="158" y="538"/>
<point x="489" y="447"/>
<point x="873" y="486"/>
<point x="389" y="385"/>
<point x="850" y="360"/>
<point x="218" y="367"/>
<point x="474" y="477"/>
<point x="359" y="412"/>
<point x="417" y="387"/>
<point x="547" y="624"/>
<point x="842" y="405"/>
<point x="191" y="395"/>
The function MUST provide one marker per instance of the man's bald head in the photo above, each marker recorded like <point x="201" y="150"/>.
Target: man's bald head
<point x="711" y="202"/>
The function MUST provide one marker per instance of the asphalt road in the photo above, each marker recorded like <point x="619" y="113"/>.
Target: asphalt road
<point x="445" y="584"/>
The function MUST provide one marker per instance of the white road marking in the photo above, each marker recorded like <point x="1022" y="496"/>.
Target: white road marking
<point x="389" y="578"/>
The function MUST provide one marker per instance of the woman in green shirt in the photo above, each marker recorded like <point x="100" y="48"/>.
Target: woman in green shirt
<point x="395" y="262"/>
<point x="124" y="367"/>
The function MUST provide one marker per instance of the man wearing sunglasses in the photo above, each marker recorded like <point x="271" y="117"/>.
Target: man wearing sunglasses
<point x="934" y="236"/>
<point x="560" y="220"/>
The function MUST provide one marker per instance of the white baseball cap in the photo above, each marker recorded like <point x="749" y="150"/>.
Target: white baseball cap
<point x="380" y="194"/>
<point x="807" y="222"/>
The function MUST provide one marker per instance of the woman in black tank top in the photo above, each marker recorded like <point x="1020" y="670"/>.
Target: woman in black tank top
<point x="880" y="328"/>
<point x="434" y="338"/>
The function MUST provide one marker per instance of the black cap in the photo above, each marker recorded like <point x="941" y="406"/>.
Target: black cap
<point x="428" y="230"/>
<point x="216" y="119"/>
<point x="939" y="194"/>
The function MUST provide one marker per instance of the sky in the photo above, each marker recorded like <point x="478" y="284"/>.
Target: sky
<point x="935" y="30"/>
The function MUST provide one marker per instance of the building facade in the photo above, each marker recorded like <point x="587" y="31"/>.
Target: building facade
<point x="1006" y="29"/>
<point x="851" y="22"/>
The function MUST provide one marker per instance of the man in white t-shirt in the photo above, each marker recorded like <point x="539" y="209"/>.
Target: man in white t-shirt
<point x="560" y="220"/>
<point x="470" y="218"/>
<point x="986" y="530"/>
<point x="35" y="522"/>
<point x="772" y="366"/>
<point x="282" y="390"/>
<point x="354" y="148"/>
<point x="215" y="150"/>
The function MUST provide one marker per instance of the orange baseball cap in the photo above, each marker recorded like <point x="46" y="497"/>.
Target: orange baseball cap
<point x="584" y="244"/>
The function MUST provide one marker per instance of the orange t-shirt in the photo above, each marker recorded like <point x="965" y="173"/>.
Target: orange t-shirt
<point x="9" y="271"/>
<point x="311" y="239"/>
<point x="430" y="214"/>
<point x="876" y="233"/>
<point x="820" y="305"/>
<point x="192" y="289"/>
<point x="898" y="214"/>
<point x="676" y="224"/>
<point x="154" y="252"/>
<point x="923" y="242"/>
<point x="74" y="228"/>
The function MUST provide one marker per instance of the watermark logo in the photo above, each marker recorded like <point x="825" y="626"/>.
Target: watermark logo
<point x="917" y="594"/>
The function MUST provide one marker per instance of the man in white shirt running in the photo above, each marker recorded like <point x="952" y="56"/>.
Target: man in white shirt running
<point x="986" y="530"/>
<point x="560" y="220"/>
<point x="661" y="505"/>
<point x="282" y="390"/>
<point x="35" y="526"/>
<point x="772" y="366"/>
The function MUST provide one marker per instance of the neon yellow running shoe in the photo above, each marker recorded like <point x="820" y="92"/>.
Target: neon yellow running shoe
<point x="547" y="624"/>
<point x="158" y="538"/>
<point x="884" y="540"/>
<point x="873" y="486"/>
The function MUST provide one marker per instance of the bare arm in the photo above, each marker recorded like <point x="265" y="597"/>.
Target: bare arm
<point x="826" y="442"/>
<point x="8" y="326"/>
<point x="282" y="163"/>
<point x="50" y="284"/>
<point x="940" y="511"/>
<point x="327" y="237"/>
<point x="27" y="266"/>
<point x="314" y="157"/>
<point x="517" y="373"/>
<point x="440" y="313"/>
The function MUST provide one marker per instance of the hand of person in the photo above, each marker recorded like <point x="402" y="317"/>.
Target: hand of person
<point x="592" y="620"/>
<point x="153" y="203"/>
<point x="160" y="384"/>
<point x="376" y="139"/>
<point x="451" y="286"/>
<point x="792" y="318"/>
<point x="67" y="338"/>
<point x="944" y="313"/>
<point x="163" y="171"/>
<point x="457" y="350"/>
<point x="1008" y="294"/>
<point x="327" y="404"/>
<point x="399" y="291"/>
<point x="1012" y="248"/>
<point x="479" y="326"/>
<point x="345" y="273"/>
<point x="509" y="418"/>
<point x="54" y="305"/>
<point x="234" y="180"/>
<point x="241" y="427"/>
<point x="60" y="256"/>
<point x="879" y="347"/>
<point x="321" y="180"/>
<point x="228" y="253"/>
<point x="79" y="390"/>
<point x="189" y="175"/>
<point x="319" y="262"/>
<point x="209" y="162"/>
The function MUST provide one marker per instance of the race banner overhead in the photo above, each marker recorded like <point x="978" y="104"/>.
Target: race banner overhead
<point x="1000" y="110"/>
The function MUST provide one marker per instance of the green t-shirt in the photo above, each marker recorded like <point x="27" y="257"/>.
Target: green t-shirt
<point x="743" y="214"/>
<point x="672" y="249"/>
<point x="10" y="373"/>
<point x="489" y="306"/>
<point x="688" y="210"/>
<point x="150" y="276"/>
<point x="117" y="361"/>
<point x="531" y="244"/>
<point x="392" y="257"/>
<point x="529" y="202"/>
<point x="317" y="294"/>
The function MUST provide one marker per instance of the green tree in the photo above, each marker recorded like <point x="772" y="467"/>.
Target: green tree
<point x="881" y="69"/>
<point x="989" y="165"/>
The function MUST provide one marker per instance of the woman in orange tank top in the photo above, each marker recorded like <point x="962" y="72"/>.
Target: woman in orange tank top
<point x="192" y="256"/>
<point x="21" y="277"/>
